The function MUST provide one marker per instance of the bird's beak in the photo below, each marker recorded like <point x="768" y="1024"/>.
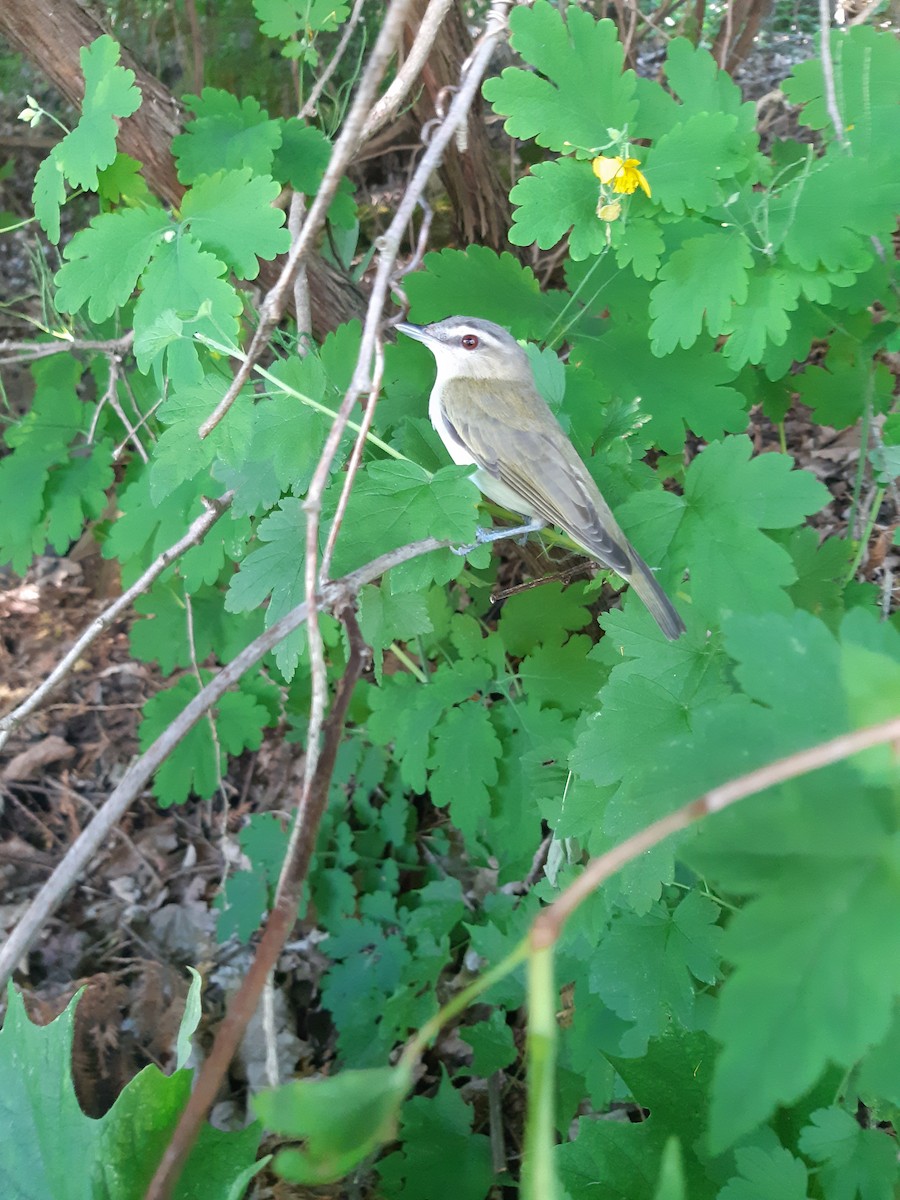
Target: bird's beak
<point x="418" y="332"/>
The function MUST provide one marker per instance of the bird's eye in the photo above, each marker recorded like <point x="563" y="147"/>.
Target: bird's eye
<point x="468" y="341"/>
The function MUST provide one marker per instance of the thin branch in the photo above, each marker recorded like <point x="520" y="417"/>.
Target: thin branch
<point x="353" y="464"/>
<point x="194" y="535"/>
<point x="344" y="149"/>
<point x="16" y="352"/>
<point x="389" y="104"/>
<point x="350" y="24"/>
<point x="548" y="925"/>
<point x="278" y="927"/>
<point x="302" y="308"/>
<point x="139" y="773"/>
<point x="828" y="73"/>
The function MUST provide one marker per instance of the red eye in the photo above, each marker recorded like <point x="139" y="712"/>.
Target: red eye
<point x="468" y="341"/>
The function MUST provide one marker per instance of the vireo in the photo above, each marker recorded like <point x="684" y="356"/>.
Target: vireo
<point x="488" y="413"/>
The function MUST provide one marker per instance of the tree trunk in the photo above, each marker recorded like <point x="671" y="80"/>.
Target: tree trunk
<point x="478" y="195"/>
<point x="51" y="37"/>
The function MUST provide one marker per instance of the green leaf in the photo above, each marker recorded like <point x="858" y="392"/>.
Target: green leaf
<point x="766" y="1175"/>
<point x="180" y="453"/>
<point x="497" y="286"/>
<point x="493" y="1046"/>
<point x="105" y="261"/>
<point x="109" y="93"/>
<point x="40" y="444"/>
<point x="705" y="277"/>
<point x="302" y="156"/>
<point x="866" y="68"/>
<point x="286" y="18"/>
<point x="77" y="492"/>
<point x="225" y="135"/>
<point x="780" y="1027"/>
<point x="406" y="712"/>
<point x="578" y="91"/>
<point x="341" y="1120"/>
<point x="196" y="764"/>
<point x="232" y="212"/>
<point x="393" y="503"/>
<point x="542" y="616"/>
<point x="639" y="244"/>
<point x="730" y="498"/>
<point x="556" y="198"/>
<point x="763" y="320"/>
<point x="45" y="1130"/>
<point x="825" y="217"/>
<point x="437" y="1131"/>
<point x="186" y="282"/>
<point x="276" y="568"/>
<point x="686" y="388"/>
<point x="463" y="765"/>
<point x="687" y="167"/>
<point x="854" y="1161"/>
<point x="49" y="194"/>
<point x="647" y="967"/>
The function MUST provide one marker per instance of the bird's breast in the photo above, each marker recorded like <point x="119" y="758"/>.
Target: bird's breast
<point x="456" y="447"/>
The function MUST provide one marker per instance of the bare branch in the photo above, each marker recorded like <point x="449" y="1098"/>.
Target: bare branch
<point x="828" y="73"/>
<point x="344" y="149"/>
<point x="548" y="925"/>
<point x="194" y="535"/>
<point x="139" y="773"/>
<point x="389" y="104"/>
<point x="16" y="352"/>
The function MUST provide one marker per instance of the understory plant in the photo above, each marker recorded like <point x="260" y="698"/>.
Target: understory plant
<point x="734" y="989"/>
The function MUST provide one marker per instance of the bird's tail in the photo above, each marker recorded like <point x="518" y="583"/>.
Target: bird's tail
<point x="660" y="606"/>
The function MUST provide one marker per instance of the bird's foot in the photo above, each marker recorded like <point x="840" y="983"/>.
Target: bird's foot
<point x="484" y="536"/>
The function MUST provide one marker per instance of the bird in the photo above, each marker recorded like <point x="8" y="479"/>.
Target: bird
<point x="489" y="414"/>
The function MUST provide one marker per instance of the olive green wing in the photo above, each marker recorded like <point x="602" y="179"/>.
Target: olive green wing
<point x="511" y="433"/>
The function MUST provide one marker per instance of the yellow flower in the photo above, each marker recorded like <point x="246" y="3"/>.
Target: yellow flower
<point x="622" y="173"/>
<point x="610" y="212"/>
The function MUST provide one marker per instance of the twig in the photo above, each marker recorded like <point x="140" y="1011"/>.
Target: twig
<point x="344" y="148"/>
<point x="548" y="924"/>
<point x="353" y="464"/>
<point x="729" y="32"/>
<point x="828" y="73"/>
<point x="16" y="352"/>
<point x="319" y="87"/>
<point x="139" y="773"/>
<point x="195" y="534"/>
<point x="278" y="926"/>
<point x="302" y="309"/>
<point x="389" y="104"/>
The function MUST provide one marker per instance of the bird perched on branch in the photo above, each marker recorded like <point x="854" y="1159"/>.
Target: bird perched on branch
<point x="489" y="414"/>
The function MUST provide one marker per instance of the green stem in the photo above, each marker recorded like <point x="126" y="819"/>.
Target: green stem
<point x="234" y="352"/>
<point x="863" y="452"/>
<point x="538" y="1175"/>
<point x="412" y="667"/>
<point x="867" y="532"/>
<point x="461" y="1001"/>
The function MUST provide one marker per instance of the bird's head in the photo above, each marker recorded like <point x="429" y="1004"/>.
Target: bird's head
<point x="470" y="348"/>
